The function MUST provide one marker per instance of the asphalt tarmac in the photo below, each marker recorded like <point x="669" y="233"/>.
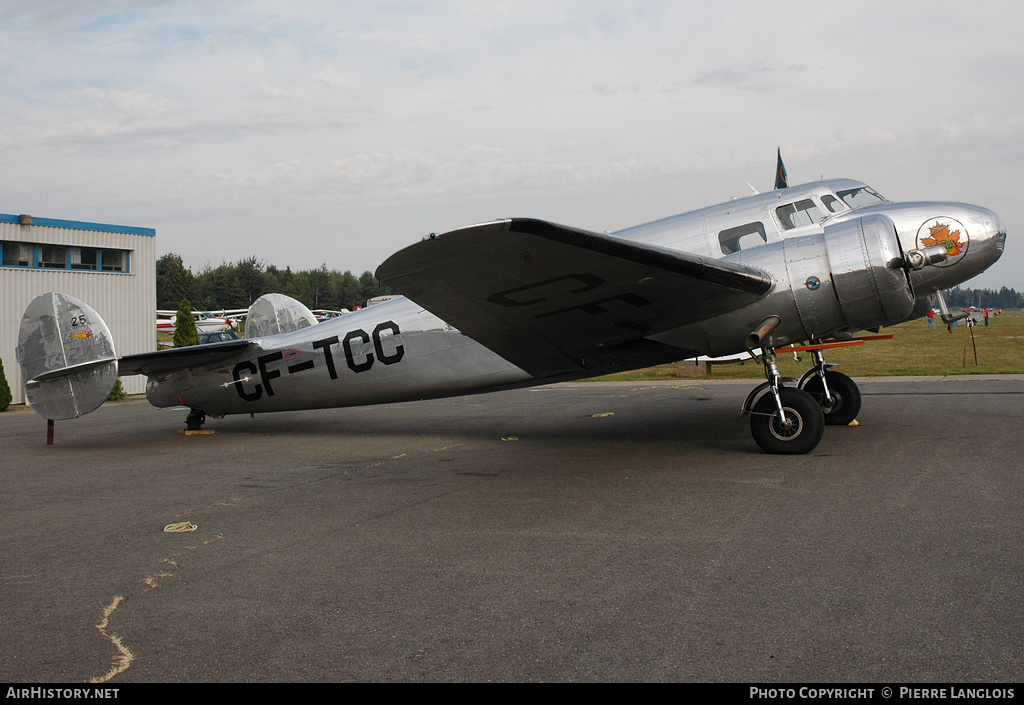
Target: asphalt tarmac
<point x="578" y="532"/>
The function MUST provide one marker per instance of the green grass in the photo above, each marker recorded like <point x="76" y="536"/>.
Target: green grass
<point x="914" y="350"/>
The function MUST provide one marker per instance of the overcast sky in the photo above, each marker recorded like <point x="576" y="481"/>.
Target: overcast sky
<point x="314" y="132"/>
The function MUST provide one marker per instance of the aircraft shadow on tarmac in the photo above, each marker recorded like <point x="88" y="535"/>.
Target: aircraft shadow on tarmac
<point x="690" y="421"/>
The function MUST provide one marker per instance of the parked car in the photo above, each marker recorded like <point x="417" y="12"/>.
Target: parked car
<point x="217" y="337"/>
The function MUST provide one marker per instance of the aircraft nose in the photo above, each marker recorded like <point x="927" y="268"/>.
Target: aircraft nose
<point x="996" y="229"/>
<point x="988" y="241"/>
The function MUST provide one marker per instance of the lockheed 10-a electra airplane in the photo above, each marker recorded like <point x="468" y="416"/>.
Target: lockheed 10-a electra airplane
<point x="520" y="302"/>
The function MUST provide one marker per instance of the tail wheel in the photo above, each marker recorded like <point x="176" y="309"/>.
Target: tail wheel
<point x="845" y="397"/>
<point x="195" y="420"/>
<point x="802" y="429"/>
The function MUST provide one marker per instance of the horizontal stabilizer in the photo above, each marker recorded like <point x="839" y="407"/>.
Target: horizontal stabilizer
<point x="165" y="362"/>
<point x="80" y="368"/>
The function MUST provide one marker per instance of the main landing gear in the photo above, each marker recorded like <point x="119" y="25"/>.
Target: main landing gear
<point x="783" y="420"/>
<point x="790" y="420"/>
<point x="837" y="394"/>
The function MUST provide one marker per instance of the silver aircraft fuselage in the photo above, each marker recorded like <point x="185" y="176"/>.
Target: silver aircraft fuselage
<point x="398" y="351"/>
<point x="809" y="208"/>
<point x="389" y="352"/>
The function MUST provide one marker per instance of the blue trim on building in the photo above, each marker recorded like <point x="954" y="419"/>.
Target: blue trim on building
<point x="79" y="225"/>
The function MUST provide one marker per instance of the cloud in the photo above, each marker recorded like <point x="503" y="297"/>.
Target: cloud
<point x="53" y="16"/>
<point x="173" y="110"/>
<point x="732" y="77"/>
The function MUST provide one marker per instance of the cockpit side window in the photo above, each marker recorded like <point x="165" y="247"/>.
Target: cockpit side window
<point x="799" y="214"/>
<point x="742" y="237"/>
<point x="833" y="204"/>
<point x="863" y="196"/>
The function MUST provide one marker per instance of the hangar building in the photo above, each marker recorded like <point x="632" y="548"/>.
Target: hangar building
<point x="110" y="267"/>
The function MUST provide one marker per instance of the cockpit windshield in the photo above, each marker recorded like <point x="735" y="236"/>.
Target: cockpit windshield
<point x="861" y="196"/>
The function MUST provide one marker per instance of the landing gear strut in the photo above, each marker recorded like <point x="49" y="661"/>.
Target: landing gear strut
<point x="837" y="394"/>
<point x="783" y="420"/>
<point x="195" y="420"/>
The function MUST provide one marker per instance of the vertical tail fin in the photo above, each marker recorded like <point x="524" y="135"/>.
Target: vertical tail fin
<point x="781" y="178"/>
<point x="66" y="355"/>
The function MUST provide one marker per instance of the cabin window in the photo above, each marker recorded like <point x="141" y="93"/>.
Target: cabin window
<point x="832" y="204"/>
<point x="863" y="196"/>
<point x="799" y="214"/>
<point x="742" y="237"/>
<point x="18" y="254"/>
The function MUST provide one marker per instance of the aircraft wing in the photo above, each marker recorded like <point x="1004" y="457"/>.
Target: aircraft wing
<point x="544" y="296"/>
<point x="163" y="362"/>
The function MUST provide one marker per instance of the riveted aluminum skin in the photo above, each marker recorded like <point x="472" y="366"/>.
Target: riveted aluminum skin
<point x="848" y="277"/>
<point x="867" y="272"/>
<point x="393" y="351"/>
<point x="980" y="236"/>
<point x="66" y="355"/>
<point x="808" y="269"/>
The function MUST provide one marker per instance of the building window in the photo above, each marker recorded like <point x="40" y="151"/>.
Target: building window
<point x="115" y="261"/>
<point x="53" y="256"/>
<point x="85" y="259"/>
<point x="18" y="254"/>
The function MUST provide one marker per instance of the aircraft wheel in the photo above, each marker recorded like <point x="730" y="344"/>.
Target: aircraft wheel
<point x="195" y="420"/>
<point x="845" y="397"/>
<point x="806" y="423"/>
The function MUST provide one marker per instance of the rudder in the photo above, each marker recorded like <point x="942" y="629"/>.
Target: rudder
<point x="66" y="355"/>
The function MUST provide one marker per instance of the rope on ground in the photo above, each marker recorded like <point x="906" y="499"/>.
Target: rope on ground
<point x="180" y="527"/>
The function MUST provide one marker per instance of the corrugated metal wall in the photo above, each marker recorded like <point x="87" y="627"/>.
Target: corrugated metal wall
<point x="127" y="302"/>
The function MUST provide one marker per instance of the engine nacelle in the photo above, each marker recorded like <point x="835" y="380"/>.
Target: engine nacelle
<point x="868" y="272"/>
<point x="849" y="277"/>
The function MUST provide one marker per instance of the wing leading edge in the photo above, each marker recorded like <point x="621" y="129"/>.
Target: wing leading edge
<point x="552" y="299"/>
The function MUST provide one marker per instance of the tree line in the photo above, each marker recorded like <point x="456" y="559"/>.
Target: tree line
<point x="1005" y="298"/>
<point x="238" y="285"/>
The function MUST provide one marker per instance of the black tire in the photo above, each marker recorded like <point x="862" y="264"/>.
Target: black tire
<point x="195" y="420"/>
<point x="845" y="395"/>
<point x="807" y="423"/>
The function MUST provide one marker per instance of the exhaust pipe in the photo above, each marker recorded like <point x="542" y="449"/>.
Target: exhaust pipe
<point x="762" y="331"/>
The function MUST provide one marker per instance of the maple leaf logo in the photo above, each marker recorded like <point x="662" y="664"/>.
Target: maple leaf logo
<point x="940" y="235"/>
